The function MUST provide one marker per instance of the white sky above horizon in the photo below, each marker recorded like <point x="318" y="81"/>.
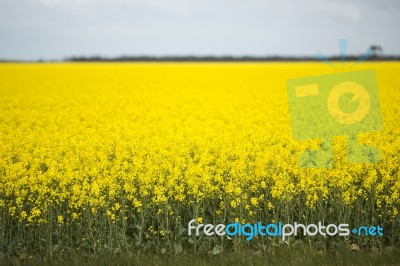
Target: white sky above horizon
<point x="55" y="29"/>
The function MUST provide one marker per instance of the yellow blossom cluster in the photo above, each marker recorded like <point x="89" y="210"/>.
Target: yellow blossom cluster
<point x="156" y="145"/>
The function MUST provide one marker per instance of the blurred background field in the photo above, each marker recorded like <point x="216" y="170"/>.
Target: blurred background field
<point x="119" y="157"/>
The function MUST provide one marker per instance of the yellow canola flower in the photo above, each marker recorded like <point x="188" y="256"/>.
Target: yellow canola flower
<point x="133" y="141"/>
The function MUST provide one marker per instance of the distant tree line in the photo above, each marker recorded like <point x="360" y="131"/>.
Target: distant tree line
<point x="375" y="57"/>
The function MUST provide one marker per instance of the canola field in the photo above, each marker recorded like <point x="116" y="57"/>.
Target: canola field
<point x="121" y="156"/>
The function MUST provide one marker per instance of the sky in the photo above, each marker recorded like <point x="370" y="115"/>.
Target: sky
<point x="55" y="29"/>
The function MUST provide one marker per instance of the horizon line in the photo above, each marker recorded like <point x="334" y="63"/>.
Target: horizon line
<point x="196" y="58"/>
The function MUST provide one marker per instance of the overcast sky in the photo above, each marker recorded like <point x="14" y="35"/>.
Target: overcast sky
<point x="54" y="29"/>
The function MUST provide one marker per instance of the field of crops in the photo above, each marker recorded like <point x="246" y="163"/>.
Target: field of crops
<point x="116" y="157"/>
